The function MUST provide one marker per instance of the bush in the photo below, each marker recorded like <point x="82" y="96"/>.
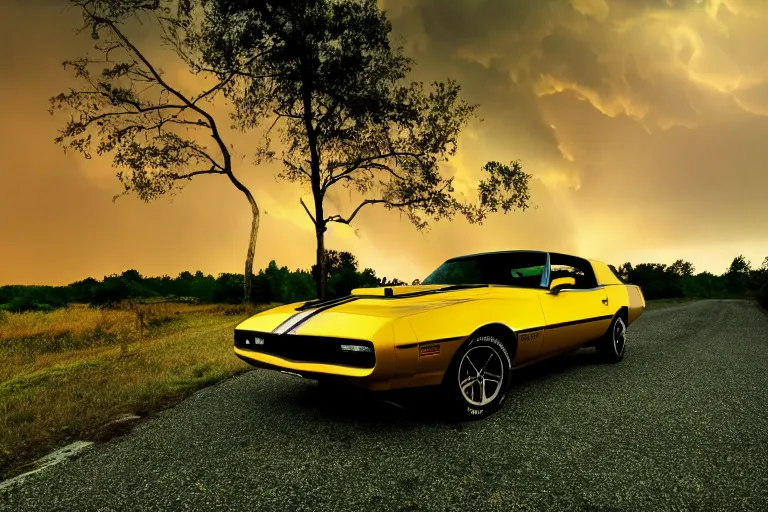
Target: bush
<point x="22" y="304"/>
<point x="228" y="288"/>
<point x="762" y="296"/>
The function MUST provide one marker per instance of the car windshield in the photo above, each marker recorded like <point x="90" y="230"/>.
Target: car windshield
<point x="511" y="269"/>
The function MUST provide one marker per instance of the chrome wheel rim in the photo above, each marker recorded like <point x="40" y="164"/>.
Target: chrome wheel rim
<point x="619" y="336"/>
<point x="481" y="372"/>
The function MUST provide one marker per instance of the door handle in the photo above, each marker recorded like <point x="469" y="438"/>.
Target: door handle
<point x="605" y="301"/>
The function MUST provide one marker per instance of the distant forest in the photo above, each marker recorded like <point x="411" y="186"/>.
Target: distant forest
<point x="279" y="284"/>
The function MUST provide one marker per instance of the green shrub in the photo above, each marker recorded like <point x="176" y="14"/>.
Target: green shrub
<point x="762" y="296"/>
<point x="22" y="304"/>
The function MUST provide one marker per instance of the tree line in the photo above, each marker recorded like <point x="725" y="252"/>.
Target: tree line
<point x="271" y="284"/>
<point x="680" y="280"/>
<point x="281" y="285"/>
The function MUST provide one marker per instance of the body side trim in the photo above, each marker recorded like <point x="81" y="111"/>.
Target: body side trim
<point x="431" y="342"/>
<point x="566" y="324"/>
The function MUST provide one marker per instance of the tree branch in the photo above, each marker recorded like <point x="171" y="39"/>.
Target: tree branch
<point x="348" y="220"/>
<point x="212" y="123"/>
<point x="341" y="220"/>
<point x="307" y="210"/>
<point x="365" y="163"/>
<point x="189" y="175"/>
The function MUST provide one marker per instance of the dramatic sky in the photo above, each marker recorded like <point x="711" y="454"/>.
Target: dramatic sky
<point x="643" y="122"/>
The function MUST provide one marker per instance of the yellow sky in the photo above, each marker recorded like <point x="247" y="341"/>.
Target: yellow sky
<point x="643" y="123"/>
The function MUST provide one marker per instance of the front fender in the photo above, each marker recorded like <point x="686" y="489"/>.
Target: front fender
<point x="461" y="320"/>
<point x="441" y="332"/>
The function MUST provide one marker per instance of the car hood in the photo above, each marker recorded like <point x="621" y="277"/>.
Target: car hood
<point x="361" y="314"/>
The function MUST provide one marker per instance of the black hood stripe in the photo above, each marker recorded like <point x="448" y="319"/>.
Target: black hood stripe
<point x="286" y="325"/>
<point x="320" y="303"/>
<point x="295" y="320"/>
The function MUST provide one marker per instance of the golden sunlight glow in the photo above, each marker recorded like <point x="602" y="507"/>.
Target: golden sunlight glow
<point x="637" y="120"/>
<point x="613" y="106"/>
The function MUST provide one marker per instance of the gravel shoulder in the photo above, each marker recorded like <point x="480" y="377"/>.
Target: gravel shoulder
<point x="680" y="424"/>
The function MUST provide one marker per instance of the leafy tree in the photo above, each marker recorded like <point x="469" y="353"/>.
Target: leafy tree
<point x="739" y="265"/>
<point x="651" y="278"/>
<point x="737" y="275"/>
<point x="342" y="274"/>
<point x="227" y="288"/>
<point x="623" y="271"/>
<point x="132" y="275"/>
<point x="368" y="279"/>
<point x="111" y="291"/>
<point x="81" y="291"/>
<point x="761" y="283"/>
<point x="704" y="285"/>
<point x="326" y="72"/>
<point x="682" y="268"/>
<point x="202" y="287"/>
<point x="158" y="135"/>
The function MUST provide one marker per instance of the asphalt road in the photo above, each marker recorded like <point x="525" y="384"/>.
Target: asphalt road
<point x="680" y="424"/>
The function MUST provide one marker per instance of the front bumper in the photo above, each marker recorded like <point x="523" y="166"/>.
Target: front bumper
<point x="324" y="350"/>
<point x="321" y="358"/>
<point x="305" y="369"/>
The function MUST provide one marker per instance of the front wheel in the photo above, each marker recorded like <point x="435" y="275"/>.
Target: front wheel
<point x="610" y="348"/>
<point x="477" y="380"/>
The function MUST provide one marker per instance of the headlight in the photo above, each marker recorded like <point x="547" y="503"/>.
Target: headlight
<point x="356" y="348"/>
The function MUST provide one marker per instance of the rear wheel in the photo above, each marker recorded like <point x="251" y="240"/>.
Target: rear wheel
<point x="477" y="381"/>
<point x="610" y="348"/>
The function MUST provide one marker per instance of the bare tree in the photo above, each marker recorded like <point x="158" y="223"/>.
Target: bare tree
<point x="158" y="135"/>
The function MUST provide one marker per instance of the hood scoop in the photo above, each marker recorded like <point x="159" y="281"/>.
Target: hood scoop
<point x="411" y="290"/>
<point x="395" y="291"/>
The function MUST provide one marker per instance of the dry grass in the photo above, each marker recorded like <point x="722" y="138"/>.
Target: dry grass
<point x="66" y="373"/>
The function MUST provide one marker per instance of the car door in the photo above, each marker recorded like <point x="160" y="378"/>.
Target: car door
<point x="573" y="317"/>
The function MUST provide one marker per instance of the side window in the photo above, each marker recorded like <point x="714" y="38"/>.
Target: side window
<point x="456" y="272"/>
<point x="558" y="271"/>
<point x="526" y="276"/>
<point x="581" y="271"/>
<point x="586" y="279"/>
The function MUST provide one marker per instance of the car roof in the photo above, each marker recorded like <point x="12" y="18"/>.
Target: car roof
<point x="493" y="252"/>
<point x="489" y="253"/>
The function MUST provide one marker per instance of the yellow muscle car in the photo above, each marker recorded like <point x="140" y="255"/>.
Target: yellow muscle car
<point x="471" y="322"/>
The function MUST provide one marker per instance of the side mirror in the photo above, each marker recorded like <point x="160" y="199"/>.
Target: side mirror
<point x="561" y="283"/>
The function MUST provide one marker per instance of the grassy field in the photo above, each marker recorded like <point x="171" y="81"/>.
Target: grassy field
<point x="67" y="373"/>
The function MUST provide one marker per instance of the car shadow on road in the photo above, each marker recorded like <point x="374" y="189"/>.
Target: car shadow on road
<point x="418" y="406"/>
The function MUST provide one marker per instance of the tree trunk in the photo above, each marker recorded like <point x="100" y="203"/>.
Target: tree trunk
<point x="248" y="281"/>
<point x="321" y="281"/>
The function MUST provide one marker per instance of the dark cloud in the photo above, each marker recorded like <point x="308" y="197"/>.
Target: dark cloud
<point x="458" y="22"/>
<point x="569" y="58"/>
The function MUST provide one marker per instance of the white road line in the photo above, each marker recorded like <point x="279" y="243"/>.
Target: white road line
<point x="53" y="458"/>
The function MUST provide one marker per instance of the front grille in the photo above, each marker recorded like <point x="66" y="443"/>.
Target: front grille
<point x="306" y="349"/>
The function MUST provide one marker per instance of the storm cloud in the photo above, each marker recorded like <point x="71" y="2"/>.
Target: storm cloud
<point x="643" y="123"/>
